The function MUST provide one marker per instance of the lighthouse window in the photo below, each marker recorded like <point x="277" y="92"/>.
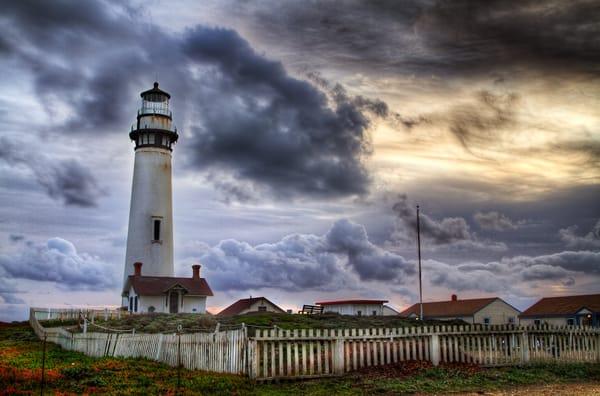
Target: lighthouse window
<point x="157" y="230"/>
<point x="151" y="136"/>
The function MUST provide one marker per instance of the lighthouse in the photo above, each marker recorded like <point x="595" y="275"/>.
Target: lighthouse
<point x="150" y="233"/>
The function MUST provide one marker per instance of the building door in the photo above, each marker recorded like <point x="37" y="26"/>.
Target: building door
<point x="173" y="302"/>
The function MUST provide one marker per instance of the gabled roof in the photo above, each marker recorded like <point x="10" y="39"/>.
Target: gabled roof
<point x="159" y="285"/>
<point x="566" y="305"/>
<point x="245" y="303"/>
<point x="451" y="308"/>
<point x="339" y="302"/>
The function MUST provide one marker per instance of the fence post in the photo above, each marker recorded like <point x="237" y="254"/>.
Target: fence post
<point x="338" y="355"/>
<point x="43" y="364"/>
<point x="252" y="359"/>
<point x="434" y="351"/>
<point x="598" y="347"/>
<point x="524" y="347"/>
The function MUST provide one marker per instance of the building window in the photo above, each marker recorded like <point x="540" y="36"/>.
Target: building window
<point x="571" y="322"/>
<point x="130" y="304"/>
<point x="156" y="230"/>
<point x="262" y="309"/>
<point x="135" y="304"/>
<point x="374" y="313"/>
<point x="486" y="321"/>
<point x="358" y="313"/>
<point x="151" y="138"/>
<point x="511" y="320"/>
<point x="536" y="322"/>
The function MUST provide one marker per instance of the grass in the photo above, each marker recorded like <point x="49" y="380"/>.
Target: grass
<point x="74" y="373"/>
<point x="164" y="323"/>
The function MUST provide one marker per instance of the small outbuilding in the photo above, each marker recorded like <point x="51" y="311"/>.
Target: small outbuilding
<point x="252" y="304"/>
<point x="147" y="294"/>
<point x="354" y="307"/>
<point x="582" y="310"/>
<point x="389" y="311"/>
<point x="489" y="311"/>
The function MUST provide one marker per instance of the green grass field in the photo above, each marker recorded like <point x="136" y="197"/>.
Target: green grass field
<point x="74" y="373"/>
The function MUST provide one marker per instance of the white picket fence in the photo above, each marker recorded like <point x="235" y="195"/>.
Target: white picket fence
<point x="221" y="351"/>
<point x="75" y="313"/>
<point x="277" y="353"/>
<point x="305" y="353"/>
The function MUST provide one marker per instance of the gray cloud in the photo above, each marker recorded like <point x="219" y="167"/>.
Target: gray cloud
<point x="280" y="133"/>
<point x="495" y="221"/>
<point x="58" y="261"/>
<point x="434" y="37"/>
<point x="510" y="274"/>
<point x="7" y="293"/>
<point x="305" y="262"/>
<point x="67" y="181"/>
<point x="589" y="241"/>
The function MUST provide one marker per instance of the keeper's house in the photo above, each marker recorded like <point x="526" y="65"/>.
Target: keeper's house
<point x="167" y="294"/>
<point x="252" y="304"/>
<point x="488" y="311"/>
<point x="354" y="307"/>
<point x="581" y="310"/>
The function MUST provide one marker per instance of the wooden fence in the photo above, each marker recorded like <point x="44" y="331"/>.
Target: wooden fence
<point x="220" y="351"/>
<point x="277" y="353"/>
<point x="75" y="313"/>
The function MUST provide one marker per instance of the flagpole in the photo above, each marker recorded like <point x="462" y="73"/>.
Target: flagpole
<point x="419" y="255"/>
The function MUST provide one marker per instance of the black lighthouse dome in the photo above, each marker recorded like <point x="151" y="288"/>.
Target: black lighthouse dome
<point x="154" y="127"/>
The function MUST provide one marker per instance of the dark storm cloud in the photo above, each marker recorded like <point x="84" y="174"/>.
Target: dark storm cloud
<point x="441" y="37"/>
<point x="300" y="262"/>
<point x="253" y="121"/>
<point x="58" y="261"/>
<point x="481" y="122"/>
<point x="495" y="221"/>
<point x="68" y="181"/>
<point x="278" y="132"/>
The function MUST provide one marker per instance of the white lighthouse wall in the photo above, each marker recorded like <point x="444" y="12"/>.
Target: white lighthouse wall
<point x="151" y="198"/>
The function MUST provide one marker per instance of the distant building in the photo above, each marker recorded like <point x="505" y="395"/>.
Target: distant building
<point x="389" y="311"/>
<point x="490" y="311"/>
<point x="167" y="294"/>
<point x="252" y="304"/>
<point x="583" y="310"/>
<point x="354" y="307"/>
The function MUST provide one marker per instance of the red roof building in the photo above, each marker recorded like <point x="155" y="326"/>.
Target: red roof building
<point x="582" y="310"/>
<point x="491" y="310"/>
<point x="167" y="294"/>
<point x="252" y="304"/>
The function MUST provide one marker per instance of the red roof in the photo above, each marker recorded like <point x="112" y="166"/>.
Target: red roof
<point x="340" y="302"/>
<point x="566" y="305"/>
<point x="451" y="308"/>
<point x="243" y="304"/>
<point x="159" y="285"/>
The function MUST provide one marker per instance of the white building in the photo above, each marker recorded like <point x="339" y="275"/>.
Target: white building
<point x="489" y="311"/>
<point x="147" y="294"/>
<point x="252" y="304"/>
<point x="389" y="311"/>
<point x="354" y="307"/>
<point x="150" y="233"/>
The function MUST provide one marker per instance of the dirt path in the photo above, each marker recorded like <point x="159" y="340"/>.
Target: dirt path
<point x="546" y="390"/>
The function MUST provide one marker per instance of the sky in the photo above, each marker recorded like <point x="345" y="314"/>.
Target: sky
<point x="309" y="131"/>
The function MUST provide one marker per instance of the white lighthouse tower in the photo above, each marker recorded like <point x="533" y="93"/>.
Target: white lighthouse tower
<point x="150" y="234"/>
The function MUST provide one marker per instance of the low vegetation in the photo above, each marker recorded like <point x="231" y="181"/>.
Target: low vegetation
<point x="74" y="373"/>
<point x="165" y="323"/>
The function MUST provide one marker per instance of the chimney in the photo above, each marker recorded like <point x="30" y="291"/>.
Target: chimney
<point x="138" y="269"/>
<point x="196" y="271"/>
<point x="454" y="297"/>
